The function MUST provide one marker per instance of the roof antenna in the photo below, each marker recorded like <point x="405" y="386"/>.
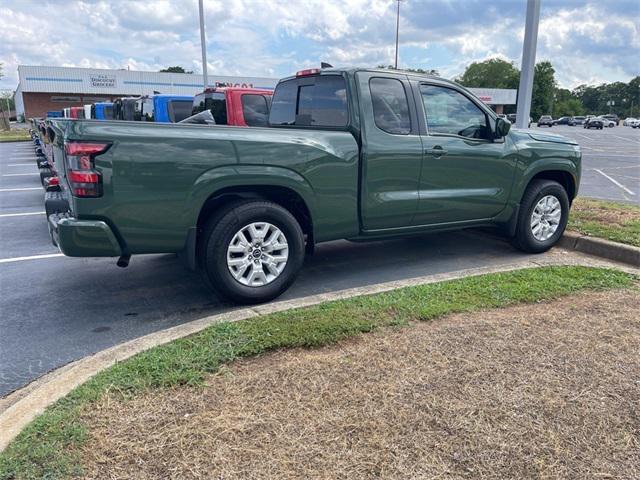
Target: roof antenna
<point x="325" y="65"/>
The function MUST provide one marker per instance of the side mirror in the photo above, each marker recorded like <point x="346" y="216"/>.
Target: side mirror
<point x="502" y="127"/>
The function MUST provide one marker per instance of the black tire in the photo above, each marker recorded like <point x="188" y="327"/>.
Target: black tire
<point x="537" y="189"/>
<point x="217" y="235"/>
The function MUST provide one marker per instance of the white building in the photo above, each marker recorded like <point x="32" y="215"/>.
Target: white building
<point x="41" y="89"/>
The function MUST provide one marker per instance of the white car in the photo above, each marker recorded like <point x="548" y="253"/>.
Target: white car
<point x="628" y="121"/>
<point x="635" y="123"/>
<point x="607" y="122"/>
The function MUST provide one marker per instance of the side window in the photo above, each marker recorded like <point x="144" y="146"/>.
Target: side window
<point x="450" y="112"/>
<point x="319" y="101"/>
<point x="255" y="110"/>
<point x="390" y="105"/>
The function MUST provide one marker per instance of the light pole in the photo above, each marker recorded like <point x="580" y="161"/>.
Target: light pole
<point x="525" y="89"/>
<point x="395" y="65"/>
<point x="203" y="44"/>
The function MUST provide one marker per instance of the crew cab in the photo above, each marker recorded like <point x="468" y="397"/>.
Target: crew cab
<point x="357" y="154"/>
<point x="246" y="107"/>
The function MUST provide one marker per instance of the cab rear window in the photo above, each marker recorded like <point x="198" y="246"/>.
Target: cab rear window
<point x="179" y="110"/>
<point x="311" y="101"/>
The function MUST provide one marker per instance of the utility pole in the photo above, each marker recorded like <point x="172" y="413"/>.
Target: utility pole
<point x="395" y="65"/>
<point x="525" y="90"/>
<point x="203" y="44"/>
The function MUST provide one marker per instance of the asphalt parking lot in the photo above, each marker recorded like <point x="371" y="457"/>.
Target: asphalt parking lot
<point x="610" y="161"/>
<point x="55" y="309"/>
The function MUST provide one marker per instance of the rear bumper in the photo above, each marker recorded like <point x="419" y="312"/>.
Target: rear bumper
<point x="83" y="238"/>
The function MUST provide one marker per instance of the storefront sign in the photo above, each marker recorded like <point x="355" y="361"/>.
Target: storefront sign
<point x="103" y="81"/>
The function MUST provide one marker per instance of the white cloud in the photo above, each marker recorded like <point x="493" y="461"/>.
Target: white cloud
<point x="586" y="40"/>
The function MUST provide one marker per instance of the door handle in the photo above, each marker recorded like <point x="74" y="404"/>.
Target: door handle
<point x="436" y="151"/>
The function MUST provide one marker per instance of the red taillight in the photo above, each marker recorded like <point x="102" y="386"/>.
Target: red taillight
<point x="53" y="181"/>
<point x="83" y="179"/>
<point x="308" y="71"/>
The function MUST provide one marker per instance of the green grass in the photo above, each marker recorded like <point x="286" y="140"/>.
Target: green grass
<point x="15" y="135"/>
<point x="615" y="221"/>
<point x="48" y="447"/>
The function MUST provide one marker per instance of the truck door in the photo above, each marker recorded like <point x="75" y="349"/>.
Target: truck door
<point x="391" y="151"/>
<point x="466" y="174"/>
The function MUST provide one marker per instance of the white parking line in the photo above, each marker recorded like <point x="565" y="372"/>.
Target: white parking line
<point x="19" y="189"/>
<point x="625" y="139"/>
<point x="32" y="257"/>
<point x="614" y="181"/>
<point x="20" y="174"/>
<point x="20" y="214"/>
<point x="19" y="164"/>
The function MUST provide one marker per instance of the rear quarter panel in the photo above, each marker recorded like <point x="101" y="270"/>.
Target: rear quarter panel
<point x="156" y="177"/>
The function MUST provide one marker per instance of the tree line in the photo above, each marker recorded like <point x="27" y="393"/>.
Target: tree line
<point x="620" y="98"/>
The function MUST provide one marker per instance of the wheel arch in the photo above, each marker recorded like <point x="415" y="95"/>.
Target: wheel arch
<point x="563" y="177"/>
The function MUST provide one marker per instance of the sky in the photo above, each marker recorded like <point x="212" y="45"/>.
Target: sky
<point x="587" y="41"/>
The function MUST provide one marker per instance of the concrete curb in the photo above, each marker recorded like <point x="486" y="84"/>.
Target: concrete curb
<point x="600" y="247"/>
<point x="20" y="407"/>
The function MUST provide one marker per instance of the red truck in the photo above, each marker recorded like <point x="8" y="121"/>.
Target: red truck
<point x="243" y="107"/>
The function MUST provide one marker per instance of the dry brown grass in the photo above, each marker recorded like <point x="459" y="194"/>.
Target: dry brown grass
<point x="535" y="391"/>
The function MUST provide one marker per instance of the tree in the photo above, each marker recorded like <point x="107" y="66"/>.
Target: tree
<point x="414" y="70"/>
<point x="176" y="69"/>
<point x="492" y="73"/>
<point x="544" y="87"/>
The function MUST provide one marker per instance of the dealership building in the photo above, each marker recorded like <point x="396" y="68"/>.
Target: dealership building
<point x="41" y="89"/>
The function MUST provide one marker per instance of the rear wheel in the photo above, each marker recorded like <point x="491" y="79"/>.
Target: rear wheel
<point x="543" y="217"/>
<point x="251" y="251"/>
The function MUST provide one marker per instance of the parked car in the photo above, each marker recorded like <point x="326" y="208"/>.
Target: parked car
<point x="76" y="112"/>
<point x="248" y="107"/>
<point x="545" y="120"/>
<point x="245" y="204"/>
<point x="153" y="108"/>
<point x="561" y="121"/>
<point x="612" y="117"/>
<point x="512" y="118"/>
<point x="102" y="111"/>
<point x="573" y="121"/>
<point x="628" y="121"/>
<point x="635" y="123"/>
<point x="594" y="122"/>
<point x="608" y="122"/>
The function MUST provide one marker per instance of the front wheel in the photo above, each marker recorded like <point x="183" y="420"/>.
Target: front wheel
<point x="251" y="251"/>
<point x="543" y="216"/>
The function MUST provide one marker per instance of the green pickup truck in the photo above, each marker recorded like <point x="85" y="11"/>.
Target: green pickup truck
<point x="349" y="153"/>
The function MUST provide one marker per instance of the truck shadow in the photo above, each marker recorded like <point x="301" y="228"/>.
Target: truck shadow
<point x="86" y="304"/>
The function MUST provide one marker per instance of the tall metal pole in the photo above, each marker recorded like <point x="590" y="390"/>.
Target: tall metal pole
<point x="523" y="108"/>
<point x="395" y="65"/>
<point x="203" y="43"/>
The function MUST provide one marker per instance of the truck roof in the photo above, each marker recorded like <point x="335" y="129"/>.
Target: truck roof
<point x="386" y="71"/>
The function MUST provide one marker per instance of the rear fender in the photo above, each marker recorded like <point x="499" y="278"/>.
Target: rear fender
<point x="224" y="178"/>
